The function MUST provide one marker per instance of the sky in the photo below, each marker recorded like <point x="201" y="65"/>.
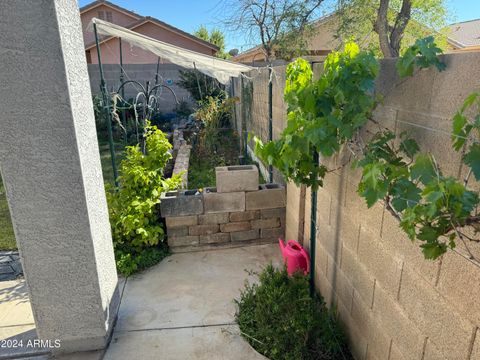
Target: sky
<point x="189" y="15"/>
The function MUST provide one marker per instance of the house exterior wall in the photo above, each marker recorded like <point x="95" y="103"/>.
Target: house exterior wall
<point x="393" y="303"/>
<point x="119" y="18"/>
<point x="135" y="55"/>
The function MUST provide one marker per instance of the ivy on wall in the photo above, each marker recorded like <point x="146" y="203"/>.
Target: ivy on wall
<point x="327" y="114"/>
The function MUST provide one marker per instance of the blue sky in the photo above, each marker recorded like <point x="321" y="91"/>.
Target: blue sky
<point x="188" y="15"/>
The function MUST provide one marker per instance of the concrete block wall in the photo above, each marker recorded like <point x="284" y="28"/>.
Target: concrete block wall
<point x="182" y="160"/>
<point x="141" y="73"/>
<point x="237" y="216"/>
<point x="394" y="303"/>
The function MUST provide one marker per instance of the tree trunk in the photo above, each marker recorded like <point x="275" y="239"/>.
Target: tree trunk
<point x="381" y="27"/>
<point x="401" y="22"/>
<point x="390" y="40"/>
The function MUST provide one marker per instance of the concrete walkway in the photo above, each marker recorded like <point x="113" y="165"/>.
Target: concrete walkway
<point x="182" y="308"/>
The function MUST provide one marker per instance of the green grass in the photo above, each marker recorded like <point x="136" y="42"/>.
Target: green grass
<point x="106" y="160"/>
<point x="7" y="237"/>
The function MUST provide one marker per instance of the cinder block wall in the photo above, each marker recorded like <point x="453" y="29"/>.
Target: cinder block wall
<point x="141" y="73"/>
<point x="394" y="303"/>
<point x="236" y="213"/>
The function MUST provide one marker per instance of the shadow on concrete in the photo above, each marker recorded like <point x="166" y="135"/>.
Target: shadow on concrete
<point x="14" y="291"/>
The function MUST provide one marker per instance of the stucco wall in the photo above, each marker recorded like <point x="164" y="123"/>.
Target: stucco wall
<point x="52" y="174"/>
<point x="119" y="18"/>
<point x="394" y="303"/>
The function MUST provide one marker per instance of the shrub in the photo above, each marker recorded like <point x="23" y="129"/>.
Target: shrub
<point x="183" y="109"/>
<point x="199" y="85"/>
<point x="132" y="207"/>
<point x="215" y="113"/>
<point x="131" y="261"/>
<point x="281" y="321"/>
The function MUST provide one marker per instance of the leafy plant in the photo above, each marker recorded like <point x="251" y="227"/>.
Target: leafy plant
<point x="215" y="113"/>
<point x="199" y="85"/>
<point x="280" y="320"/>
<point x="132" y="207"/>
<point x="462" y="130"/>
<point x="323" y="114"/>
<point x="184" y="109"/>
<point x="423" y="54"/>
<point x="132" y="261"/>
<point x="430" y="206"/>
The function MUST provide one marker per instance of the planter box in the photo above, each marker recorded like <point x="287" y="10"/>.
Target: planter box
<point x="223" y="202"/>
<point x="236" y="178"/>
<point x="181" y="203"/>
<point x="269" y="196"/>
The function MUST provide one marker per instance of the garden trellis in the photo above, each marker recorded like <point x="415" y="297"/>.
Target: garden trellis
<point x="222" y="70"/>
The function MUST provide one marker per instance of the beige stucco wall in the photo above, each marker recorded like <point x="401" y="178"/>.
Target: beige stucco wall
<point x="393" y="303"/>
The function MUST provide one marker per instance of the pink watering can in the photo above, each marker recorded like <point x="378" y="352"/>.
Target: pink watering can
<point x="295" y="257"/>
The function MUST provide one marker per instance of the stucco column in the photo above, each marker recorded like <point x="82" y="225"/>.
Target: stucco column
<point x="51" y="168"/>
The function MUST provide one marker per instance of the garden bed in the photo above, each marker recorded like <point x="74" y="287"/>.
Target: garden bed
<point x="204" y="159"/>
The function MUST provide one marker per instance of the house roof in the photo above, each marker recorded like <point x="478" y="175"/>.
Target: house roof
<point x="94" y="4"/>
<point x="465" y="34"/>
<point x="142" y="20"/>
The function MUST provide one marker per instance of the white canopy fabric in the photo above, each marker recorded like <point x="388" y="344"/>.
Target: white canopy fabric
<point x="220" y="69"/>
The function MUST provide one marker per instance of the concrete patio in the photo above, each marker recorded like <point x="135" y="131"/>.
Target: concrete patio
<point x="180" y="309"/>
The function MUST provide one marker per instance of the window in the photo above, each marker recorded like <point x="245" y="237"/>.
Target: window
<point x="101" y="15"/>
<point x="109" y="16"/>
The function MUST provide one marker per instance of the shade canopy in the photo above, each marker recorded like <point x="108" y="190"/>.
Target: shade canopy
<point x="220" y="69"/>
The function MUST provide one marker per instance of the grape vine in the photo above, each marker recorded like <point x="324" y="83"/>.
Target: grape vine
<point x="327" y="114"/>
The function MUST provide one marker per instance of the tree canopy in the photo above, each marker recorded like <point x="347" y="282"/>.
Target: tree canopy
<point x="282" y="27"/>
<point x="396" y="23"/>
<point x="216" y="37"/>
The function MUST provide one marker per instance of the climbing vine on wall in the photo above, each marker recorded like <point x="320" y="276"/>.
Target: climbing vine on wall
<point x="327" y="114"/>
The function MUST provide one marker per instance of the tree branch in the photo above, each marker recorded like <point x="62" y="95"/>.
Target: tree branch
<point x="381" y="27"/>
<point x="401" y="23"/>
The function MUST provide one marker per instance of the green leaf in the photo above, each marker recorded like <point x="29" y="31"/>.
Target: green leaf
<point x="409" y="147"/>
<point x="428" y="233"/>
<point x="423" y="169"/>
<point x="405" y="194"/>
<point x="472" y="159"/>
<point x="459" y="134"/>
<point x="433" y="251"/>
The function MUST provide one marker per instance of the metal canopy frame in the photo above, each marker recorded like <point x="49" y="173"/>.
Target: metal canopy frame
<point x="148" y="93"/>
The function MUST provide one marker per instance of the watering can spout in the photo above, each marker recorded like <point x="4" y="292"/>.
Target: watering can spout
<point x="282" y="247"/>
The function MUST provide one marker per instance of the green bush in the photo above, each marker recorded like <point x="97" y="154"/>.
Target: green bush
<point x="131" y="261"/>
<point x="281" y="321"/>
<point x="200" y="86"/>
<point x="215" y="113"/>
<point x="133" y="206"/>
<point x="183" y="109"/>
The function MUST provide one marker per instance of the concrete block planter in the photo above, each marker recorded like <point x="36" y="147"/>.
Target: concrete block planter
<point x="269" y="196"/>
<point x="216" y="202"/>
<point x="236" y="178"/>
<point x="224" y="219"/>
<point x="181" y="203"/>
